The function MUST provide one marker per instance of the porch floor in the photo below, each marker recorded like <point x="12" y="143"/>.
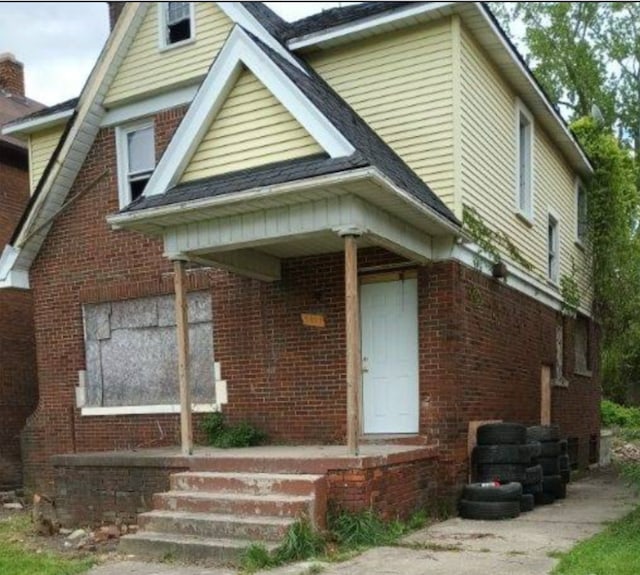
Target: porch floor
<point x="267" y="459"/>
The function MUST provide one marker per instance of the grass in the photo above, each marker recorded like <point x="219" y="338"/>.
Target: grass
<point x="615" y="551"/>
<point x="348" y="535"/>
<point x="17" y="559"/>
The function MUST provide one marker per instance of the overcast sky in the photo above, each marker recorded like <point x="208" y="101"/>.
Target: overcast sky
<point x="58" y="42"/>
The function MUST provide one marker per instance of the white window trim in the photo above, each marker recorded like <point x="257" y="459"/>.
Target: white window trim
<point x="554" y="281"/>
<point x="162" y="28"/>
<point x="578" y="184"/>
<point x="146" y="409"/>
<point x="122" y="153"/>
<point x="528" y="215"/>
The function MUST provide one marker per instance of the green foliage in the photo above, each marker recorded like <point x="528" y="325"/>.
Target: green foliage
<point x="492" y="243"/>
<point x="614" y="551"/>
<point x="615" y="415"/>
<point x="300" y="542"/>
<point x="570" y="292"/>
<point x="631" y="472"/>
<point x="224" y="436"/>
<point x="16" y="558"/>
<point x="364" y="529"/>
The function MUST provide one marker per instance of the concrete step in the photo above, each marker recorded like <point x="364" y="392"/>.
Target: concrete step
<point x="163" y="546"/>
<point x="248" y="483"/>
<point x="235" y="504"/>
<point x="214" y="525"/>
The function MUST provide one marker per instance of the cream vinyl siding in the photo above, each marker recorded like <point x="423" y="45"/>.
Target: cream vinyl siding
<point x="401" y="84"/>
<point x="488" y="169"/>
<point x="252" y="129"/>
<point x="41" y="148"/>
<point x="147" y="69"/>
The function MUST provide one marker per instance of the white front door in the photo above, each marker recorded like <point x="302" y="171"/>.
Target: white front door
<point x="389" y="316"/>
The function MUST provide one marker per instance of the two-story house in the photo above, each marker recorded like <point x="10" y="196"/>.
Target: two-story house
<point x="299" y="190"/>
<point x="18" y="389"/>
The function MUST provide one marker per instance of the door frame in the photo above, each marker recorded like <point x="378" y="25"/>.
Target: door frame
<point x="374" y="277"/>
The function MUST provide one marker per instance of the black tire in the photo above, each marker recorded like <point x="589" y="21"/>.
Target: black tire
<point x="564" y="463"/>
<point x="566" y="476"/>
<point x="527" y="503"/>
<point x="533" y="475"/>
<point x="550" y="465"/>
<point x="549" y="449"/>
<point x="489" y="511"/>
<point x="489" y="494"/>
<point x="535" y="449"/>
<point x="554" y="486"/>
<point x="564" y="446"/>
<point x="532" y="489"/>
<point x="544" y="498"/>
<point x="484" y="454"/>
<point x="543" y="433"/>
<point x="502" y="472"/>
<point x="502" y="434"/>
<point x="562" y="491"/>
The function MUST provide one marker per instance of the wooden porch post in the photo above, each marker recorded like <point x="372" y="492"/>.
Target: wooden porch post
<point x="354" y="360"/>
<point x="182" y="328"/>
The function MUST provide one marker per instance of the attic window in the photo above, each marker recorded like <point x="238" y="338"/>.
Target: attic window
<point x="178" y="23"/>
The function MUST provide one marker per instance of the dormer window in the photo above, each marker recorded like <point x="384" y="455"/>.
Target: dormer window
<point x="136" y="160"/>
<point x="177" y="23"/>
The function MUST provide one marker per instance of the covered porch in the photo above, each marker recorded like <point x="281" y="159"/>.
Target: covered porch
<point x="253" y="232"/>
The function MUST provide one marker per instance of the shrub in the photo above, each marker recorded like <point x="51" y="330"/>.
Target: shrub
<point x="615" y="415"/>
<point x="224" y="436"/>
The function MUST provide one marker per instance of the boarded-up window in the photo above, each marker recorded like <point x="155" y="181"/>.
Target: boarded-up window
<point x="132" y="357"/>
<point x="583" y="359"/>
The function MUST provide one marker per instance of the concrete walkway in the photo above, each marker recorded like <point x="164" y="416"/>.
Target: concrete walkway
<point x="518" y="547"/>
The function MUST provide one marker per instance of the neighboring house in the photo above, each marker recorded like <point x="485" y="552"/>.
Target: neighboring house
<point x="259" y="152"/>
<point x="18" y="389"/>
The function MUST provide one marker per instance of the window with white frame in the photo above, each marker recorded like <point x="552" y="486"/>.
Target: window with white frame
<point x="581" y="208"/>
<point x="177" y="23"/>
<point x="136" y="159"/>
<point x="553" y="249"/>
<point x="524" y="167"/>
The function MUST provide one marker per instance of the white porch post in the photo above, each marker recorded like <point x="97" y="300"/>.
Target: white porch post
<point x="354" y="360"/>
<point x="182" y="332"/>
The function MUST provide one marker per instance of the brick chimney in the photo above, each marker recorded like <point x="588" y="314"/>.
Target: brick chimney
<point x="11" y="75"/>
<point x="115" y="9"/>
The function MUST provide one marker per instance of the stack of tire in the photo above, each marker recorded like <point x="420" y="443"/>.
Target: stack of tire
<point x="554" y="461"/>
<point x="503" y="466"/>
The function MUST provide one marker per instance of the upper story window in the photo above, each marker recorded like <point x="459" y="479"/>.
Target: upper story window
<point x="524" y="166"/>
<point x="177" y="23"/>
<point x="553" y="249"/>
<point x="136" y="159"/>
<point x="581" y="208"/>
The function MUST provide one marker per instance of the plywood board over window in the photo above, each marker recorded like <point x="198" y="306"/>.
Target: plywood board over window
<point x="131" y="352"/>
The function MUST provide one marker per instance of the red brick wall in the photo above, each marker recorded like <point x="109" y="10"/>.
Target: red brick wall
<point x="482" y="344"/>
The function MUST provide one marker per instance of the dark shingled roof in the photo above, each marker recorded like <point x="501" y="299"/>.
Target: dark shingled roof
<point x="261" y="176"/>
<point x="61" y="107"/>
<point x="340" y="16"/>
<point x="275" y="25"/>
<point x="371" y="149"/>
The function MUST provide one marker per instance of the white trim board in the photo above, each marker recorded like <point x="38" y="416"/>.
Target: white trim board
<point x="146" y="410"/>
<point x="238" y="50"/>
<point x="37" y="124"/>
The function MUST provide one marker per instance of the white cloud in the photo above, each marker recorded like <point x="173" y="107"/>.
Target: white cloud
<point x="59" y="42"/>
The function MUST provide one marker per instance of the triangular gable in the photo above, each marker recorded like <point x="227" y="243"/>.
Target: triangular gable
<point x="251" y="129"/>
<point x="146" y="68"/>
<point x="240" y="52"/>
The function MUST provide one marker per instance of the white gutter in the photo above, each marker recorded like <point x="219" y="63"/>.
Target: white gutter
<point x="37" y="124"/>
<point x="120" y="221"/>
<point x="10" y="278"/>
<point x="365" y="24"/>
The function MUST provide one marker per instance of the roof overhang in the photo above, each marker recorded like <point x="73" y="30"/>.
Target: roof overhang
<point x="24" y="128"/>
<point x="249" y="232"/>
<point x="484" y="28"/>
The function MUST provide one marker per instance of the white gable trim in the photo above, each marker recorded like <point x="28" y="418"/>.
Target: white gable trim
<point x="238" y="50"/>
<point x="240" y="15"/>
<point x="37" y="124"/>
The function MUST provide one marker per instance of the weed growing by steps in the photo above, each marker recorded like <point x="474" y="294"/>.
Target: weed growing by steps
<point x="348" y="534"/>
<point x="220" y="434"/>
